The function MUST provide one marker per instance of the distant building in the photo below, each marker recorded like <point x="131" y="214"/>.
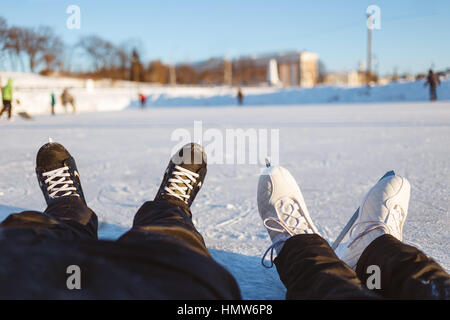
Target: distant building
<point x="345" y="78"/>
<point x="293" y="68"/>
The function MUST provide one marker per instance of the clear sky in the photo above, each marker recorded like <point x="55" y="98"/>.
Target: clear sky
<point x="414" y="35"/>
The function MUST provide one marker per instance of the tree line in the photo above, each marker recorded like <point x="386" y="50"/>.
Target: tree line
<point x="41" y="46"/>
<point x="41" y="50"/>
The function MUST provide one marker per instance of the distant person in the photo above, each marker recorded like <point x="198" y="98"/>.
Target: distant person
<point x="143" y="99"/>
<point x="67" y="98"/>
<point x="7" y="96"/>
<point x="53" y="102"/>
<point x="240" y="97"/>
<point x="433" y="81"/>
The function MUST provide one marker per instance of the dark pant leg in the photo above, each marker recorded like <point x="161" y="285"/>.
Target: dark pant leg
<point x="310" y="269"/>
<point x="67" y="218"/>
<point x="433" y="95"/>
<point x="7" y="108"/>
<point x="406" y="272"/>
<point x="168" y="224"/>
<point x="168" y="220"/>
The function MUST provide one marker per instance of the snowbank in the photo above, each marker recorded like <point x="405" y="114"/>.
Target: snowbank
<point x="394" y="92"/>
<point x="34" y="91"/>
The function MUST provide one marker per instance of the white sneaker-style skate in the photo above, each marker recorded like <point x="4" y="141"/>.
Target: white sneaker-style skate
<point x="282" y="208"/>
<point x="383" y="211"/>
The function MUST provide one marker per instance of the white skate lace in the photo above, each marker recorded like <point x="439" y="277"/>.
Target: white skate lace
<point x="395" y="216"/>
<point x="301" y="225"/>
<point x="180" y="192"/>
<point x="63" y="184"/>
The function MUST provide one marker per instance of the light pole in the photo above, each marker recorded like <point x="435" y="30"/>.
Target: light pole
<point x="369" y="47"/>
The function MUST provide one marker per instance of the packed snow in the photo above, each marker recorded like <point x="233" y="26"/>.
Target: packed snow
<point x="335" y="151"/>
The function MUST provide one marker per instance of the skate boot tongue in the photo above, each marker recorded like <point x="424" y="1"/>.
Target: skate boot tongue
<point x="51" y="156"/>
<point x="191" y="157"/>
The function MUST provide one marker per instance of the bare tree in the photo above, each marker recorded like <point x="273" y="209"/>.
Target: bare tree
<point x="34" y="43"/>
<point x="158" y="72"/>
<point x="3" y="39"/>
<point x="125" y="53"/>
<point x="96" y="49"/>
<point x="105" y="56"/>
<point x="137" y="70"/>
<point x="52" y="50"/>
<point x="14" y="45"/>
<point x="124" y="60"/>
<point x="186" y="74"/>
<point x="3" y="35"/>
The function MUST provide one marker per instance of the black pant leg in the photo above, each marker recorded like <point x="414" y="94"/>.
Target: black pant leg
<point x="433" y="94"/>
<point x="168" y="220"/>
<point x="168" y="225"/>
<point x="3" y="109"/>
<point x="406" y="272"/>
<point x="310" y="269"/>
<point x="7" y="108"/>
<point x="67" y="218"/>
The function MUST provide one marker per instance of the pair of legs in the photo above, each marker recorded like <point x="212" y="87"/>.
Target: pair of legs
<point x="69" y="218"/>
<point x="162" y="256"/>
<point x="7" y="107"/>
<point x="373" y="257"/>
<point x="433" y="94"/>
<point x="310" y="269"/>
<point x="74" y="110"/>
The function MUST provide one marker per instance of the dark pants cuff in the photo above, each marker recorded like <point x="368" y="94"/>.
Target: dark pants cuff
<point x="406" y="272"/>
<point x="67" y="218"/>
<point x="166" y="220"/>
<point x="310" y="269"/>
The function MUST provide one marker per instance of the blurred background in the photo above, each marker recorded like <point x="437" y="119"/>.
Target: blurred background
<point x="235" y="43"/>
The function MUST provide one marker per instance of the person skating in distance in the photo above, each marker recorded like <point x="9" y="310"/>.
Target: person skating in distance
<point x="310" y="269"/>
<point x="7" y="97"/>
<point x="67" y="98"/>
<point x="433" y="81"/>
<point x="162" y="256"/>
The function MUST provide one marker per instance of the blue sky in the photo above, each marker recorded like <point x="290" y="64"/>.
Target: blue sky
<point x="414" y="35"/>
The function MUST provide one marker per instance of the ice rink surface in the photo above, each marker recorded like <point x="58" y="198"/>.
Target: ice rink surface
<point x="336" y="153"/>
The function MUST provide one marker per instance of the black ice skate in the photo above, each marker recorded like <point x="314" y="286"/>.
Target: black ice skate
<point x="57" y="173"/>
<point x="184" y="175"/>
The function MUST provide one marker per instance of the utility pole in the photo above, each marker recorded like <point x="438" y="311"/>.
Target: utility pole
<point x="369" y="47"/>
